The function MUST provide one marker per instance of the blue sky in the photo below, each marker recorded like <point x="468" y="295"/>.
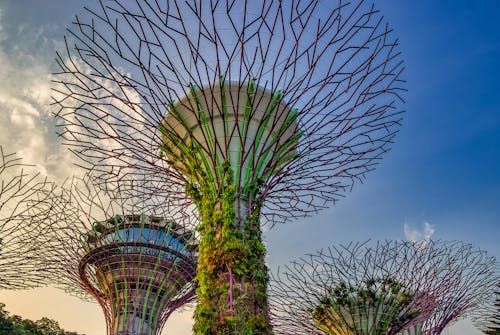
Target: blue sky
<point x="443" y="168"/>
<point x="442" y="171"/>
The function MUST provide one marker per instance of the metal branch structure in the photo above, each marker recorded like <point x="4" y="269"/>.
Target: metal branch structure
<point x="256" y="112"/>
<point x="494" y="327"/>
<point x="20" y="264"/>
<point x="136" y="262"/>
<point x="386" y="288"/>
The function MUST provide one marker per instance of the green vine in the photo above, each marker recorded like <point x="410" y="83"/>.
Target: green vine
<point x="232" y="276"/>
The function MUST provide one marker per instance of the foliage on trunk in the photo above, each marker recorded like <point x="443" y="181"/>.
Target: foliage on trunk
<point x="226" y="188"/>
<point x="232" y="276"/>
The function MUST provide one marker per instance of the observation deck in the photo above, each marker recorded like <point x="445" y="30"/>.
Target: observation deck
<point x="140" y="268"/>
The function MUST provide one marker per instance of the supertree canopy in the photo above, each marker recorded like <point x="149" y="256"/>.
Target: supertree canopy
<point x="384" y="288"/>
<point x="255" y="112"/>
<point x="20" y="263"/>
<point x="376" y="306"/>
<point x="139" y="267"/>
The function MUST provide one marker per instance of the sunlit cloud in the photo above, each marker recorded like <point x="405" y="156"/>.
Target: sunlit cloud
<point x="421" y="236"/>
<point x="26" y="122"/>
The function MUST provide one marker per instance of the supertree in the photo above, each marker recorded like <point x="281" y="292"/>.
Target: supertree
<point x="20" y="264"/>
<point x="387" y="288"/>
<point x="494" y="327"/>
<point x="136" y="259"/>
<point x="253" y="112"/>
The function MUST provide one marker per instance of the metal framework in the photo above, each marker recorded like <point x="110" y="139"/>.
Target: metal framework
<point x="137" y="264"/>
<point x="255" y="112"/>
<point x="494" y="327"/>
<point x="386" y="288"/>
<point x="20" y="264"/>
<point x="332" y="68"/>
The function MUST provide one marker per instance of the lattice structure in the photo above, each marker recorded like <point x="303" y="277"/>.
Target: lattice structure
<point x="324" y="74"/>
<point x="385" y="288"/>
<point x="139" y="267"/>
<point x="494" y="327"/>
<point x="256" y="112"/>
<point x="20" y="264"/>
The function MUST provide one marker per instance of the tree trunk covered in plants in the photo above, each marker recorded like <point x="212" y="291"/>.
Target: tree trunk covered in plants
<point x="227" y="153"/>
<point x="232" y="276"/>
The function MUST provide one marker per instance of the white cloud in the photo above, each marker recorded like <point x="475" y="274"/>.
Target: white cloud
<point x="26" y="124"/>
<point x="422" y="236"/>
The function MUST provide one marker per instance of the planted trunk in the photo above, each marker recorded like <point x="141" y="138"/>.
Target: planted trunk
<point x="228" y="142"/>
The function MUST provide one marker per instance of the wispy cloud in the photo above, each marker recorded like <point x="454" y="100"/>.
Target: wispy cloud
<point x="421" y="236"/>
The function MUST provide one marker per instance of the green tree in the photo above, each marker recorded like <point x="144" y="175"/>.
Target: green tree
<point x="48" y="326"/>
<point x="16" y="325"/>
<point x="6" y="325"/>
